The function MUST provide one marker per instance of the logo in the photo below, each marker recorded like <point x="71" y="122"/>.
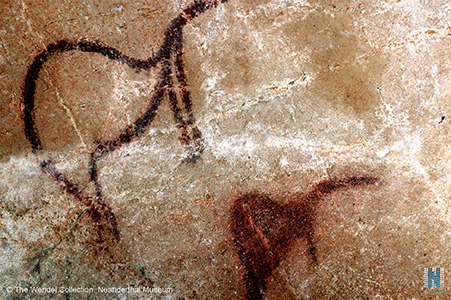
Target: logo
<point x="434" y="279"/>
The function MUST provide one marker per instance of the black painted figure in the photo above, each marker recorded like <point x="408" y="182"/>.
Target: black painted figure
<point x="171" y="61"/>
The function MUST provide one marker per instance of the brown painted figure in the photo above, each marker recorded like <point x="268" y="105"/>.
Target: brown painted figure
<point x="265" y="231"/>
<point x="170" y="60"/>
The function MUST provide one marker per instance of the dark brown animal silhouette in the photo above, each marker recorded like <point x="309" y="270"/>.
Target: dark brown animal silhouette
<point x="265" y="231"/>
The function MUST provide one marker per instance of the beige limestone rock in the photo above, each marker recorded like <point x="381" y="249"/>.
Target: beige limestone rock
<point x="286" y="93"/>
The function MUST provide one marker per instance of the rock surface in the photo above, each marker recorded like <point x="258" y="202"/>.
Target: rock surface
<point x="285" y="93"/>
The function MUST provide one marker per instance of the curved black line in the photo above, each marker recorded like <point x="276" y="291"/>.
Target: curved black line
<point x="173" y="41"/>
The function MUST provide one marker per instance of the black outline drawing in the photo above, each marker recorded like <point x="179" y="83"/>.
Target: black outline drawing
<point x="170" y="58"/>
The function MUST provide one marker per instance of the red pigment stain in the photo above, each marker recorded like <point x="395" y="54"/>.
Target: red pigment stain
<point x="264" y="231"/>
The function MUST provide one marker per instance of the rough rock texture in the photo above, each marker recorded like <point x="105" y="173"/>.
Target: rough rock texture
<point x="285" y="93"/>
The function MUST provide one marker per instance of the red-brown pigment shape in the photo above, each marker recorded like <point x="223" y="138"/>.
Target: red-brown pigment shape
<point x="265" y="231"/>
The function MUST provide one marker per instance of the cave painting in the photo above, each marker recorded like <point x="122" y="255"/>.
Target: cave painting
<point x="264" y="231"/>
<point x="170" y="61"/>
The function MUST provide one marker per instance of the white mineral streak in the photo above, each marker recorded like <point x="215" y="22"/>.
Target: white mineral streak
<point x="126" y="88"/>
